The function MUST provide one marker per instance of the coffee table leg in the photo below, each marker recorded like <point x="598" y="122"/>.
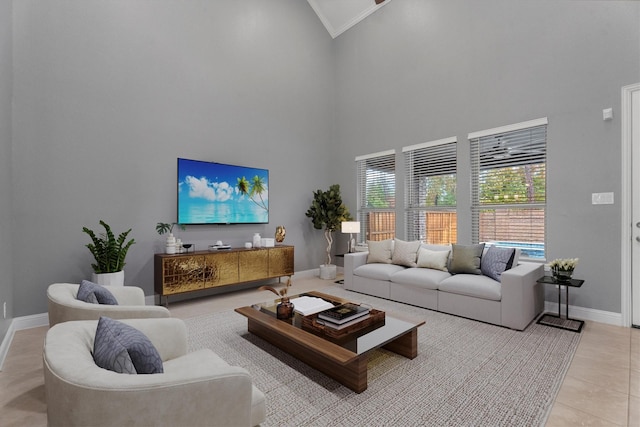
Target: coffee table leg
<point x="405" y="345"/>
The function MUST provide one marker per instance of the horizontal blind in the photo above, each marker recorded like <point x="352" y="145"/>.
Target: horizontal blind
<point x="430" y="192"/>
<point x="508" y="186"/>
<point x="376" y="177"/>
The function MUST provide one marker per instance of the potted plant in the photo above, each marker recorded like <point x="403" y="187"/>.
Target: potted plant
<point x="327" y="212"/>
<point x="165" y="227"/>
<point x="109" y="254"/>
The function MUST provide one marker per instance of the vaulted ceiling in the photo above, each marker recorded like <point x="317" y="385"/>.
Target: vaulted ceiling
<point x="340" y="15"/>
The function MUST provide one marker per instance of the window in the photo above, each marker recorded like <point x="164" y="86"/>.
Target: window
<point x="508" y="186"/>
<point x="430" y="191"/>
<point x="376" y="175"/>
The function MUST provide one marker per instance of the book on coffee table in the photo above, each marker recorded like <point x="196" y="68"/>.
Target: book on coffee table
<point x="340" y="326"/>
<point x="307" y="305"/>
<point x="343" y="313"/>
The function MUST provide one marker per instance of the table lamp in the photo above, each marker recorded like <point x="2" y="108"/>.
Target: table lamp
<point x="351" y="227"/>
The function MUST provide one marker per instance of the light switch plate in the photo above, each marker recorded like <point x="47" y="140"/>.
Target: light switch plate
<point x="602" y="198"/>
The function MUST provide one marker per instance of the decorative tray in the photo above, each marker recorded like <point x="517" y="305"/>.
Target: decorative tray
<point x="316" y="326"/>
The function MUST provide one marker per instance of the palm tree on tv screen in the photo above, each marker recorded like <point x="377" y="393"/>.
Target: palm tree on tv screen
<point x="253" y="188"/>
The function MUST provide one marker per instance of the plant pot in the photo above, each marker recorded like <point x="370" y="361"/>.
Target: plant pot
<point x="109" y="279"/>
<point x="328" y="271"/>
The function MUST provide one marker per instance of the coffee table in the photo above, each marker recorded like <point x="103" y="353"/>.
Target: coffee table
<point x="345" y="362"/>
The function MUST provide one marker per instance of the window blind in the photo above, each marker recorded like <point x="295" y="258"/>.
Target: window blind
<point x="508" y="185"/>
<point x="430" y="191"/>
<point x="376" y="177"/>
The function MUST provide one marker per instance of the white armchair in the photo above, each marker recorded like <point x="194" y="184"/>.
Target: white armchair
<point x="64" y="306"/>
<point x="196" y="389"/>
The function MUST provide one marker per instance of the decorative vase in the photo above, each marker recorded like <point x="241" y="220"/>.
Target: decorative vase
<point x="561" y="275"/>
<point x="280" y="233"/>
<point x="257" y="240"/>
<point x="284" y="310"/>
<point x="170" y="247"/>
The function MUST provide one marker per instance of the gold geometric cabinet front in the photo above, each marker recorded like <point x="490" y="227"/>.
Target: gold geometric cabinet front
<point x="281" y="261"/>
<point x="220" y="269"/>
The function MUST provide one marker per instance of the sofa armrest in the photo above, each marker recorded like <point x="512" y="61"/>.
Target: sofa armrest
<point x="522" y="296"/>
<point x="351" y="262"/>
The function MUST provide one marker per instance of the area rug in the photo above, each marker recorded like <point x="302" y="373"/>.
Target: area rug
<point x="467" y="373"/>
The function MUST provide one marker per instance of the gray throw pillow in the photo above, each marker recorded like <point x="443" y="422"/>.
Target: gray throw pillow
<point x="122" y="348"/>
<point x="405" y="253"/>
<point x="95" y="294"/>
<point x="465" y="259"/>
<point x="495" y="261"/>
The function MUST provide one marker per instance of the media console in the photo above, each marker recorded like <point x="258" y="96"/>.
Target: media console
<point x="199" y="270"/>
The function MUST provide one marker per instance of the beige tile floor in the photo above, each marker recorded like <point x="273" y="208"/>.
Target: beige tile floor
<point x="601" y="388"/>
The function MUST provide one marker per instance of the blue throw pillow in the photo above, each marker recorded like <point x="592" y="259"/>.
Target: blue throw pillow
<point x="496" y="261"/>
<point x="95" y="294"/>
<point x="122" y="348"/>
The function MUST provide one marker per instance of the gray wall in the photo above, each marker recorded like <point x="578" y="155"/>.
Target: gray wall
<point x="6" y="271"/>
<point x="109" y="93"/>
<point x="423" y="70"/>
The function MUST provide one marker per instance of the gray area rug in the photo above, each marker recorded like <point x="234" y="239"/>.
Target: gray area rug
<point x="467" y="373"/>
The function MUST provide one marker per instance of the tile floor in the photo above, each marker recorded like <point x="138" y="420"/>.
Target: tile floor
<point x="601" y="388"/>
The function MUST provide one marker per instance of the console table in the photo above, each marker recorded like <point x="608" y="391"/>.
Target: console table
<point x="195" y="271"/>
<point x="558" y="321"/>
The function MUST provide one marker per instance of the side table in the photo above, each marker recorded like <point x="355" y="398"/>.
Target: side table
<point x="558" y="321"/>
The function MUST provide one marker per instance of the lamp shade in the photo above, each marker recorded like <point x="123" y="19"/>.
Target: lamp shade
<point x="351" y="227"/>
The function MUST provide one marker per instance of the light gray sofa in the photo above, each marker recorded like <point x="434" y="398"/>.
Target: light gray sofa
<point x="195" y="389"/>
<point x="513" y="302"/>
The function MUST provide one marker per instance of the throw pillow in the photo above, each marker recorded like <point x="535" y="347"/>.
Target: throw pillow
<point x="466" y="259"/>
<point x="380" y="251"/>
<point x="95" y="294"/>
<point x="495" y="261"/>
<point x="436" y="260"/>
<point x="405" y="253"/>
<point x="122" y="348"/>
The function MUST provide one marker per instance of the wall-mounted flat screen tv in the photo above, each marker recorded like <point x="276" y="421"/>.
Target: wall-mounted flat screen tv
<point x="217" y="193"/>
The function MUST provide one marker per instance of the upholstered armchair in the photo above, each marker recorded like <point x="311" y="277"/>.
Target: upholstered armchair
<point x="64" y="306"/>
<point x="195" y="389"/>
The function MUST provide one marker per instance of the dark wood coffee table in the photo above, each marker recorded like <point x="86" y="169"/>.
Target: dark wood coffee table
<point x="345" y="362"/>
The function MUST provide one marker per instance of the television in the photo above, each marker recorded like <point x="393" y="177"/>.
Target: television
<point x="217" y="193"/>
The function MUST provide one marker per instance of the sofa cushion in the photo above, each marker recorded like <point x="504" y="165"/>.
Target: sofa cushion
<point x="122" y="348"/>
<point x="477" y="286"/>
<point x="495" y="261"/>
<point x="380" y="251"/>
<point x="377" y="271"/>
<point x="465" y="259"/>
<point x="95" y="294"/>
<point x="437" y="260"/>
<point x="422" y="277"/>
<point x="405" y="253"/>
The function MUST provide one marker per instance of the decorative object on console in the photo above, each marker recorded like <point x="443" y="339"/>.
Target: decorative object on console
<point x="351" y="227"/>
<point x="562" y="268"/>
<point x="280" y="233"/>
<point x="171" y="246"/>
<point x="327" y="211"/>
<point x="109" y="254"/>
<point x="257" y="240"/>
<point x="284" y="310"/>
<point x="267" y="242"/>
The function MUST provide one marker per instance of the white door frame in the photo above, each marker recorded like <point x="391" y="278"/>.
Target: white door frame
<point x="627" y="301"/>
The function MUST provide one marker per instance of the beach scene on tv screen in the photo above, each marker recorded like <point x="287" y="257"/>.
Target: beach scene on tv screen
<point x="216" y="193"/>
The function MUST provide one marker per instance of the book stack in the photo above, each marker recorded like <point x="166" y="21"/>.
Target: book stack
<point x="343" y="316"/>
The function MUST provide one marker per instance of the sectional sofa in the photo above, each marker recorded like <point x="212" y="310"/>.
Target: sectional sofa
<point x="482" y="283"/>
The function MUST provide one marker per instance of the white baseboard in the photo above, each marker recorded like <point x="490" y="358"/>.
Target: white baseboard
<point x="18" y="324"/>
<point x="581" y="313"/>
<point x="6" y="343"/>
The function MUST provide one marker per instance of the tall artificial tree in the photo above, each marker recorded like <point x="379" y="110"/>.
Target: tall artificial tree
<point x="327" y="212"/>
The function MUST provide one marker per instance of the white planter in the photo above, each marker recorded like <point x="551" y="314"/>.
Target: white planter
<point x="328" y="271"/>
<point x="109" y="279"/>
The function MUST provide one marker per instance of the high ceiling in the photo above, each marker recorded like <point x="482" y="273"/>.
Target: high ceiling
<point x="340" y="15"/>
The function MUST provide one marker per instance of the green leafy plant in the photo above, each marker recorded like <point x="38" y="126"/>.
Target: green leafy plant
<point x="165" y="227"/>
<point x="327" y="212"/>
<point x="108" y="251"/>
